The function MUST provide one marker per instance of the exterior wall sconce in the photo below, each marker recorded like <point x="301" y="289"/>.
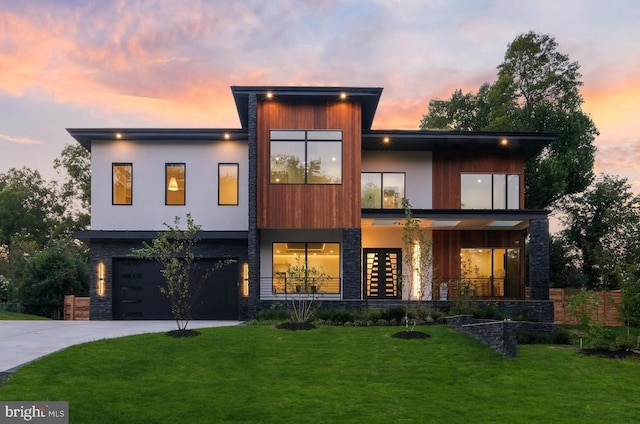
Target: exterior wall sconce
<point x="100" y="288"/>
<point x="173" y="184"/>
<point x="245" y="279"/>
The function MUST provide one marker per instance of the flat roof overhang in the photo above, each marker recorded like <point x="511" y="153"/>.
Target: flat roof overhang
<point x="85" y="136"/>
<point x="88" y="235"/>
<point x="368" y="97"/>
<point x="526" y="145"/>
<point x="453" y="219"/>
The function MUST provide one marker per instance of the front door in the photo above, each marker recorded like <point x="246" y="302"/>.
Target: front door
<point x="382" y="273"/>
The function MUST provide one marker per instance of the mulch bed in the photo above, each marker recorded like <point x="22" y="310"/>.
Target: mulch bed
<point x="182" y="333"/>
<point x="611" y="354"/>
<point x="410" y="335"/>
<point x="296" y="326"/>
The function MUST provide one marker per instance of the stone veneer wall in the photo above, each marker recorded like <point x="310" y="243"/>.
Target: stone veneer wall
<point x="106" y="250"/>
<point x="351" y="274"/>
<point x="500" y="336"/>
<point x="253" y="242"/>
<point x="539" y="258"/>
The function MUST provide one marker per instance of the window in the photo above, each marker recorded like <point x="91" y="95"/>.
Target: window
<point x="382" y="190"/>
<point x="228" y="184"/>
<point x="175" y="184"/>
<point x="122" y="188"/>
<point x="306" y="268"/>
<point x="491" y="272"/>
<point x="489" y="191"/>
<point x="306" y="157"/>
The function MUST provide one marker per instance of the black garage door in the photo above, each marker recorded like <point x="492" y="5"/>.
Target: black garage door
<point x="136" y="292"/>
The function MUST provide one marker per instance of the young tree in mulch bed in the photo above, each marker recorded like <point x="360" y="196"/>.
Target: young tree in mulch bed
<point x="174" y="251"/>
<point x="418" y="271"/>
<point x="302" y="285"/>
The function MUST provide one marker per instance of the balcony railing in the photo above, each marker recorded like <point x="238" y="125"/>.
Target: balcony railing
<point x="459" y="288"/>
<point x="310" y="285"/>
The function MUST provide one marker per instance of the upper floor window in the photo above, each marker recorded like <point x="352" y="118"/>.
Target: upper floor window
<point x="306" y="157"/>
<point x="122" y="188"/>
<point x="228" y="184"/>
<point x="175" y="183"/>
<point x="382" y="190"/>
<point x="489" y="191"/>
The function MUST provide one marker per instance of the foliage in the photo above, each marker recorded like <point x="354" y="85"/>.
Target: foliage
<point x="60" y="269"/>
<point x="303" y="283"/>
<point x="75" y="191"/>
<point x="6" y="290"/>
<point x="417" y="261"/>
<point x="630" y="304"/>
<point x="564" y="264"/>
<point x="537" y="90"/>
<point x="174" y="250"/>
<point x="332" y="374"/>
<point x="29" y="206"/>
<point x="560" y="336"/>
<point x="602" y="231"/>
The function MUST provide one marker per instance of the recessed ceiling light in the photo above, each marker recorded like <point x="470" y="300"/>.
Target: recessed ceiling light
<point x="269" y="95"/>
<point x="227" y="136"/>
<point x="385" y="140"/>
<point x="118" y="135"/>
<point x="343" y="95"/>
<point x="504" y="142"/>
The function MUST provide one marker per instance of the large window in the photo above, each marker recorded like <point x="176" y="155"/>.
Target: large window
<point x="491" y="272"/>
<point x="306" y="157"/>
<point x="228" y="184"/>
<point x="489" y="191"/>
<point x="382" y="190"/>
<point x="175" y="183"/>
<point x="306" y="268"/>
<point x="122" y="188"/>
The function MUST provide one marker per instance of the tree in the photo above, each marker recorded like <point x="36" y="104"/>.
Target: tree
<point x="59" y="270"/>
<point x="303" y="284"/>
<point x="537" y="90"/>
<point x="603" y="228"/>
<point x="28" y="206"/>
<point x="174" y="250"/>
<point x="75" y="191"/>
<point x="417" y="261"/>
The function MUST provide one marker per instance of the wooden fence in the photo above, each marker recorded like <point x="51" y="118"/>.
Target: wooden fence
<point x="76" y="308"/>
<point x="606" y="313"/>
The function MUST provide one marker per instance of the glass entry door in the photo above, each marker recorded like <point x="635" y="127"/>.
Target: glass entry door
<point x="382" y="273"/>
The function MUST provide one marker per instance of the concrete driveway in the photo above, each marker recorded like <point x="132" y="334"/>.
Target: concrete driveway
<point x="24" y="341"/>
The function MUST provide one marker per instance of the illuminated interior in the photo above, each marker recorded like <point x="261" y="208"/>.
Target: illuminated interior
<point x="319" y="261"/>
<point x="228" y="184"/>
<point x="122" y="184"/>
<point x="491" y="272"/>
<point x="175" y="181"/>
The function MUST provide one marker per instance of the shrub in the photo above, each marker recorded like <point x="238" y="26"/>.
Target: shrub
<point x="393" y="314"/>
<point x="560" y="336"/>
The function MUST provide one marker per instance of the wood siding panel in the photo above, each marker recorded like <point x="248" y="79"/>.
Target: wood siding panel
<point x="447" y="167"/>
<point x="310" y="206"/>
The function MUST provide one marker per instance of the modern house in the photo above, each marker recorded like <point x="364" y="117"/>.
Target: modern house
<point x="305" y="180"/>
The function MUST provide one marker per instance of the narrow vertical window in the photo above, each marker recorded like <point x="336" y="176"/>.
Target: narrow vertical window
<point x="175" y="184"/>
<point x="122" y="188"/>
<point x="228" y="184"/>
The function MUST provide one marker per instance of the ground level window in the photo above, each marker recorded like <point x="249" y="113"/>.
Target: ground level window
<point x="306" y="268"/>
<point x="491" y="272"/>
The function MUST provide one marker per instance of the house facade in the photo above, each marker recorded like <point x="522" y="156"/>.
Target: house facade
<point x="305" y="183"/>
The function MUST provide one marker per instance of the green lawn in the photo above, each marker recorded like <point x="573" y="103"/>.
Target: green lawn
<point x="258" y="374"/>
<point x="6" y="315"/>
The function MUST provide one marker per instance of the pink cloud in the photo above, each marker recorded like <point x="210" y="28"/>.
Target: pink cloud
<point x="19" y="140"/>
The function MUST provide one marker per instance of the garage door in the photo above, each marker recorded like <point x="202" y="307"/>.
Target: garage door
<point x="136" y="292"/>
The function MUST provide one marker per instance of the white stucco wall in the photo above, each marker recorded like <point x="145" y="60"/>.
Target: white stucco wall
<point x="149" y="211"/>
<point x="418" y="169"/>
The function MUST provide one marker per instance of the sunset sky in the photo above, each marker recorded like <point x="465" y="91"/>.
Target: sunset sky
<point x="80" y="63"/>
